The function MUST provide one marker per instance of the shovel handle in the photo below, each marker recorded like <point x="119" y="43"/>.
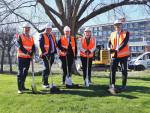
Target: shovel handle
<point x="50" y="68"/>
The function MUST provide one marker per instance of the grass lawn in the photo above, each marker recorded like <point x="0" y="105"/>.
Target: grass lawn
<point x="95" y="99"/>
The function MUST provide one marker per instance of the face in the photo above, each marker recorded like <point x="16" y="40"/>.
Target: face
<point x="87" y="34"/>
<point x="118" y="26"/>
<point x="67" y="33"/>
<point x="48" y="30"/>
<point x="26" y="30"/>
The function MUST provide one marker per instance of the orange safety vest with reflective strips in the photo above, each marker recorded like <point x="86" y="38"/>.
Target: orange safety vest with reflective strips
<point x="27" y="44"/>
<point x="64" y="43"/>
<point x="46" y="43"/>
<point x="90" y="46"/>
<point x="54" y="40"/>
<point x="125" y="51"/>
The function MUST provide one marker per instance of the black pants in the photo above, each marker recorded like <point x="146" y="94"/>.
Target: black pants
<point x="46" y="70"/>
<point x="123" y="63"/>
<point x="52" y="58"/>
<point x="64" y="66"/>
<point x="23" y="67"/>
<point x="84" y="65"/>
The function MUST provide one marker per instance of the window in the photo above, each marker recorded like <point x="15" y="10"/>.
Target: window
<point x="100" y="28"/>
<point x="100" y="33"/>
<point x="109" y="32"/>
<point x="133" y="48"/>
<point x="141" y="24"/>
<point x="145" y="57"/>
<point x="124" y="26"/>
<point x="94" y="33"/>
<point x="147" y="39"/>
<point x="133" y="54"/>
<point x="135" y="24"/>
<point x="147" y="23"/>
<point x="140" y="48"/>
<point x="136" y="30"/>
<point x="130" y="25"/>
<point x="104" y="32"/>
<point x="95" y="28"/>
<point x="141" y="29"/>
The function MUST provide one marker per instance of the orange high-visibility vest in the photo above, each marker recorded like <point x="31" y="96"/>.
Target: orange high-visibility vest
<point x="27" y="44"/>
<point x="46" y="44"/>
<point x="125" y="51"/>
<point x="64" y="43"/>
<point x="90" y="46"/>
<point x="54" y="40"/>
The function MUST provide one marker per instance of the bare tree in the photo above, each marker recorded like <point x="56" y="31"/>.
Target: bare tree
<point x="7" y="41"/>
<point x="73" y="13"/>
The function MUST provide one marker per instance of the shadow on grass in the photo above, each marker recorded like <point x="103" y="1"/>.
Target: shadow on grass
<point x="101" y="91"/>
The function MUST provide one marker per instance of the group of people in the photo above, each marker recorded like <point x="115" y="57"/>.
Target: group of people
<point x="117" y="45"/>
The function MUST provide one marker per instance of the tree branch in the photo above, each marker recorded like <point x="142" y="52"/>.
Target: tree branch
<point x="50" y="15"/>
<point x="105" y="9"/>
<point x="83" y="8"/>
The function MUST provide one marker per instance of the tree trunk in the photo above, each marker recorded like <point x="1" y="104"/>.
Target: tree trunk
<point x="2" y="59"/>
<point x="74" y="69"/>
<point x="10" y="63"/>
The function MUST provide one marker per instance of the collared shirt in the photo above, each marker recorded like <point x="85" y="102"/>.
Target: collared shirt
<point x="52" y="42"/>
<point x="27" y="36"/>
<point x="68" y="39"/>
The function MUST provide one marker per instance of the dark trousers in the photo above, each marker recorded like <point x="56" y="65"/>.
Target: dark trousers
<point x="64" y="66"/>
<point x="52" y="58"/>
<point x="123" y="63"/>
<point x="84" y="65"/>
<point x="23" y="67"/>
<point x="46" y="70"/>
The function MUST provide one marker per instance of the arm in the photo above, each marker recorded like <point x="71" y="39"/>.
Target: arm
<point x="124" y="42"/>
<point x="59" y="45"/>
<point x="41" y="43"/>
<point x="81" y="48"/>
<point x="20" y="46"/>
<point x="109" y="44"/>
<point x="91" y="50"/>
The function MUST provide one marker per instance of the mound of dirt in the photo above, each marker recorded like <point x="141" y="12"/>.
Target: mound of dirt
<point x="54" y="89"/>
<point x="114" y="91"/>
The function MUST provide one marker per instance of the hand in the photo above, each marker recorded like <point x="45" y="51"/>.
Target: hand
<point x="30" y="53"/>
<point x="64" y="49"/>
<point x="112" y="50"/>
<point x="46" y="54"/>
<point x="75" y="57"/>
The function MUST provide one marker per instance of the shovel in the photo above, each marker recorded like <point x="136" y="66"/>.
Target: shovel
<point x="68" y="79"/>
<point x="112" y="88"/>
<point x="33" y="86"/>
<point x="50" y="73"/>
<point x="86" y="79"/>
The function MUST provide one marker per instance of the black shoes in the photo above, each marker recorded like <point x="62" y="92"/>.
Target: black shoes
<point x="123" y="87"/>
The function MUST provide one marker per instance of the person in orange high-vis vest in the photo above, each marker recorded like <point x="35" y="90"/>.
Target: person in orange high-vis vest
<point x="118" y="45"/>
<point x="66" y="46"/>
<point x="47" y="49"/>
<point x="26" y="49"/>
<point x="87" y="45"/>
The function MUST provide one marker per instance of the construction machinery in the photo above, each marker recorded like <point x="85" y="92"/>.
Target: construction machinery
<point x="101" y="58"/>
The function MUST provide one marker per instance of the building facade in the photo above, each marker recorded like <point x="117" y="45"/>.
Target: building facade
<point x="139" y="41"/>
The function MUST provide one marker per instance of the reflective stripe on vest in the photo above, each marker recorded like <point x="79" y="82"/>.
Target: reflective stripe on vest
<point x="125" y="51"/>
<point x="90" y="46"/>
<point x="64" y="43"/>
<point x="27" y="44"/>
<point x="46" y="44"/>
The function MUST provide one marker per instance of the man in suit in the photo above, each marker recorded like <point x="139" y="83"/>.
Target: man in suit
<point x="118" y="47"/>
<point x="47" y="49"/>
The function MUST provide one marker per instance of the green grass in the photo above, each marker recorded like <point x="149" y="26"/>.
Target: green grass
<point x="95" y="99"/>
